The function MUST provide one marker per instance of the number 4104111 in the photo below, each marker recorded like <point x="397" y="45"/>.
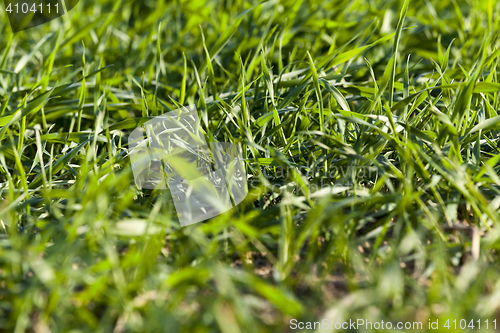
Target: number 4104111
<point x="25" y="8"/>
<point x="463" y="324"/>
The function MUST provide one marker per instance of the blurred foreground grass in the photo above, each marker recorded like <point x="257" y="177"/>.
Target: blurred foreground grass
<point x="371" y="139"/>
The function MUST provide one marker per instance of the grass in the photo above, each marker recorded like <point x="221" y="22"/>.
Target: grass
<point x="371" y="139"/>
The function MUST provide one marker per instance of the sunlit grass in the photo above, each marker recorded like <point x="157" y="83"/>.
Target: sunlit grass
<point x="370" y="134"/>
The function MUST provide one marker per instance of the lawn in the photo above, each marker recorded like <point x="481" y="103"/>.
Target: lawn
<point x="370" y="136"/>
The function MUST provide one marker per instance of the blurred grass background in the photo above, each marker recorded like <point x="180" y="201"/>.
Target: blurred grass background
<point x="370" y="132"/>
